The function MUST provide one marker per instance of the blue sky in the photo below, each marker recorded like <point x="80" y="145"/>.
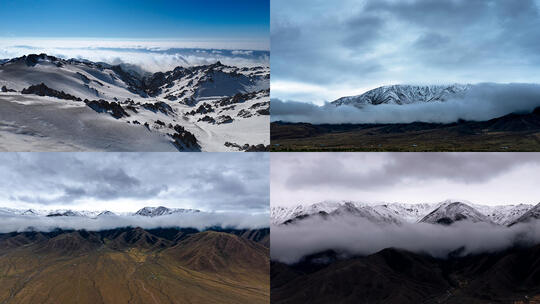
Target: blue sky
<point x="156" y="35"/>
<point x="136" y="19"/>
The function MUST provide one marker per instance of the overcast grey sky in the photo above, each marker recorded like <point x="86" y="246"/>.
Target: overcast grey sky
<point x="128" y="181"/>
<point x="483" y="178"/>
<point x="323" y="50"/>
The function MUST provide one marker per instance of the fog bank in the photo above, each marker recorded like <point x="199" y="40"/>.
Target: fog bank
<point x="352" y="236"/>
<point x="201" y="220"/>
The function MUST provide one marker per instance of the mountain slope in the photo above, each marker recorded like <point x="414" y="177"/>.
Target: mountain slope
<point x="99" y="272"/>
<point x="398" y="276"/>
<point x="532" y="214"/>
<point x="219" y="252"/>
<point x="96" y="106"/>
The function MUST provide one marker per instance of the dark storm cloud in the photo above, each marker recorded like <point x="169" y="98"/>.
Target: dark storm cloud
<point x="432" y="40"/>
<point x="481" y="102"/>
<point x="362" y="29"/>
<point x="438" y="13"/>
<point x="353" y="44"/>
<point x="307" y="45"/>
<point x="213" y="181"/>
<point x="353" y="236"/>
<point x="347" y="172"/>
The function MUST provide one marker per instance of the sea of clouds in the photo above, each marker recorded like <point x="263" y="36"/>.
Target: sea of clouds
<point x="150" y="55"/>
<point x="199" y="220"/>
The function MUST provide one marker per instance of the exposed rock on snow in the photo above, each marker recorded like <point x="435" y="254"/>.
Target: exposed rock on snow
<point x="114" y="108"/>
<point x="42" y="90"/>
<point x="249" y="148"/>
<point x="184" y="139"/>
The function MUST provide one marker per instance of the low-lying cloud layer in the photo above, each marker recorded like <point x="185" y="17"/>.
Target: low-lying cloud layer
<point x="482" y="102"/>
<point x="151" y="56"/>
<point x="201" y="221"/>
<point x="351" y="236"/>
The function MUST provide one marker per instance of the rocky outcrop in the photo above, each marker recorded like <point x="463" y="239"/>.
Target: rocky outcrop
<point x="184" y="139"/>
<point x="5" y="89"/>
<point x="204" y="108"/>
<point x="223" y="119"/>
<point x="43" y="90"/>
<point x="248" y="147"/>
<point x="158" y="106"/>
<point x="101" y="106"/>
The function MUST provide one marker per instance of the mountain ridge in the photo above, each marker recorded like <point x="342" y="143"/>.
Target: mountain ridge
<point x="144" y="211"/>
<point x="404" y="94"/>
<point x="450" y="210"/>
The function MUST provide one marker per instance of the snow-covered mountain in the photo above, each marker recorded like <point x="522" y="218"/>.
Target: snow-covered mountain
<point x="376" y="214"/>
<point x="390" y="212"/>
<point x="532" y="214"/>
<point x="449" y="213"/>
<point x="48" y="212"/>
<point x="505" y="214"/>
<point x="146" y="211"/>
<point x="96" y="106"/>
<point x="444" y="212"/>
<point x="280" y="214"/>
<point x="404" y="94"/>
<point x="158" y="211"/>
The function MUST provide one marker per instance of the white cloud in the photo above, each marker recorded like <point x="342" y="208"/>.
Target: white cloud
<point x="195" y="220"/>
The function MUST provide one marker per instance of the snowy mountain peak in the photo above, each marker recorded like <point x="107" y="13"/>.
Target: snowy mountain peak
<point x="451" y="212"/>
<point x="158" y="211"/>
<point x="404" y="94"/>
<point x="106" y="213"/>
<point x="29" y="212"/>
